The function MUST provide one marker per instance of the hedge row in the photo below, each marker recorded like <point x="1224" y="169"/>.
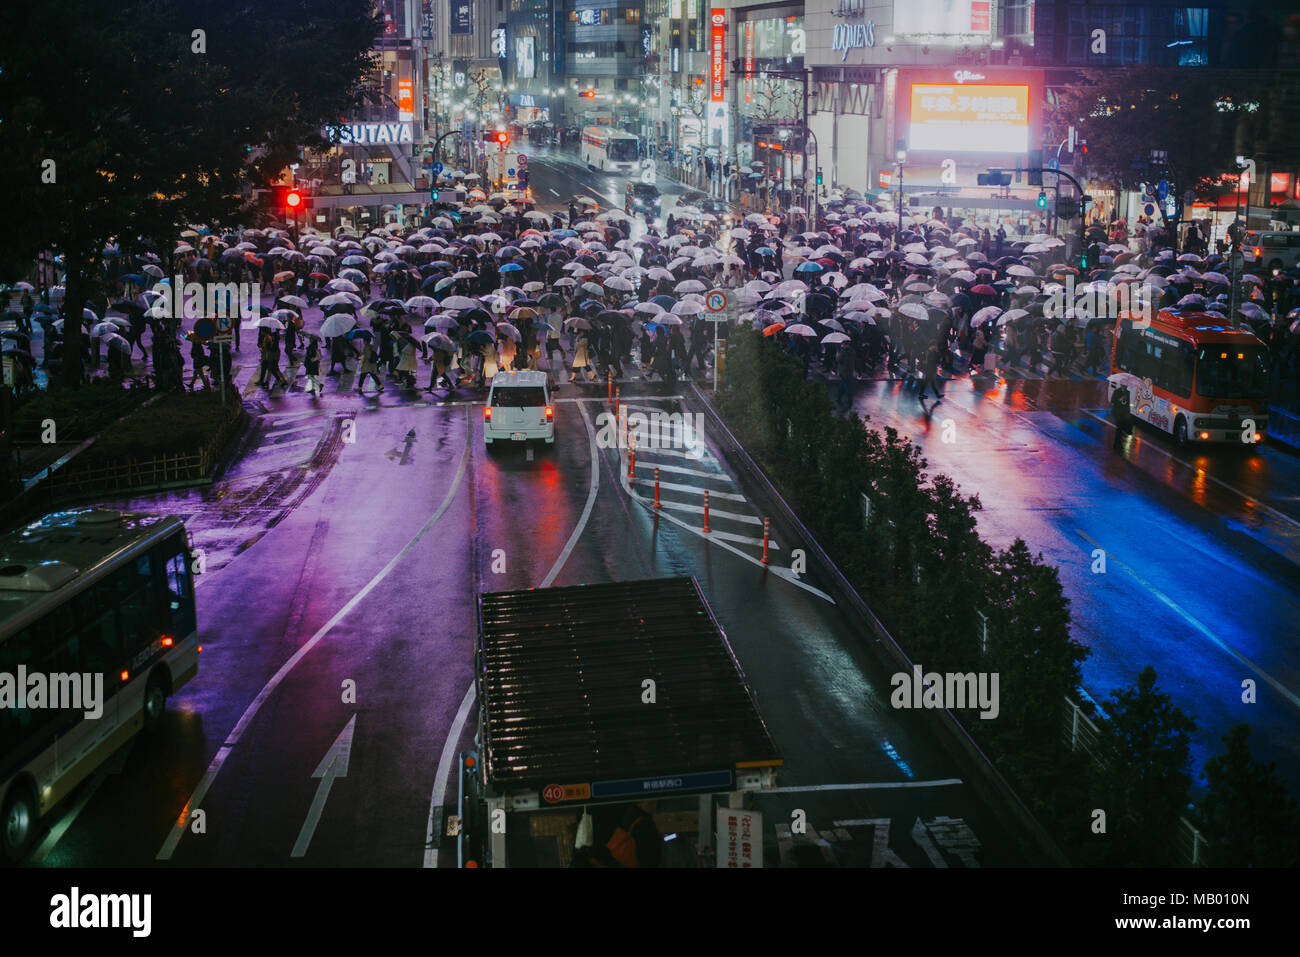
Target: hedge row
<point x="179" y="423"/>
<point x="77" y="413"/>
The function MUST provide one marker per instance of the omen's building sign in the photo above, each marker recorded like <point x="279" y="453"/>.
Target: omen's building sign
<point x="853" y="36"/>
<point x="364" y="134"/>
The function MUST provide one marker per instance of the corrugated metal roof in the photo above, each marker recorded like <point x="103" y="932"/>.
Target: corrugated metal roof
<point x="560" y="687"/>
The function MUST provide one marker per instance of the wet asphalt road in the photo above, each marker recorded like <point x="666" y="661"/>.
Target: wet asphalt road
<point x="1201" y="546"/>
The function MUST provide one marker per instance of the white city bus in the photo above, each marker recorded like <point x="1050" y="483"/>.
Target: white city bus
<point x="608" y="149"/>
<point x="87" y="592"/>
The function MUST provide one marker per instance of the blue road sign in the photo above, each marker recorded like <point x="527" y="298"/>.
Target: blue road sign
<point x="510" y="172"/>
<point x="437" y="168"/>
<point x="1163" y="188"/>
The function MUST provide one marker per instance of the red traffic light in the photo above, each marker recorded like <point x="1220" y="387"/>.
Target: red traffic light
<point x="293" y="199"/>
<point x="501" y="136"/>
<point x="589" y="94"/>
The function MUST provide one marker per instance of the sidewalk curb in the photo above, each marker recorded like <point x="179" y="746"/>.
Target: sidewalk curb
<point x="987" y="780"/>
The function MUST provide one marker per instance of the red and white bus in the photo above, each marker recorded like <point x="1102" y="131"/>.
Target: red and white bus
<point x="1193" y="375"/>
<point x="608" y="149"/>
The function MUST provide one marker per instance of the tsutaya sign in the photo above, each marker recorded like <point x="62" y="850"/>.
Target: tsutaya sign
<point x="853" y="36"/>
<point x="365" y="133"/>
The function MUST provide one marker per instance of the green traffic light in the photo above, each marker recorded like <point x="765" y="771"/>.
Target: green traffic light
<point x="1042" y="200"/>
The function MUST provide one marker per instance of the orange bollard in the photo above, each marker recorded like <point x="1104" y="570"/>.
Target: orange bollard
<point x="610" y="380"/>
<point x="631" y="466"/>
<point x="765" y="531"/>
<point x="706" y="513"/>
<point x="617" y="397"/>
<point x="656" y="486"/>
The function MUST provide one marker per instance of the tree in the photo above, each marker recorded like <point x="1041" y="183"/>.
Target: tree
<point x="1125" y="114"/>
<point x="774" y="98"/>
<point x="1149" y="775"/>
<point x="1247" y="815"/>
<point x="1030" y="647"/>
<point x="108" y="134"/>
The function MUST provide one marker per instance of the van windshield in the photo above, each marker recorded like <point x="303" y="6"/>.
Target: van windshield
<point x="519" y="397"/>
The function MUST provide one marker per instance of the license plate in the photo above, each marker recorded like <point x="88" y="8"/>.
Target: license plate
<point x="517" y="436"/>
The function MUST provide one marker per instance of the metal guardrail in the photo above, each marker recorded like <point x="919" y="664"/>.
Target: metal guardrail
<point x="1081" y="733"/>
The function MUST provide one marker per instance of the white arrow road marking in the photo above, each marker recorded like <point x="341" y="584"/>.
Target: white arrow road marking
<point x="333" y="765"/>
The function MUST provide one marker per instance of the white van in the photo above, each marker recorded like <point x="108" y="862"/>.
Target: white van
<point x="519" y="408"/>
<point x="1270" y="250"/>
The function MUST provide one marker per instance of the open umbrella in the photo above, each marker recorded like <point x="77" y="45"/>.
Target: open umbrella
<point x="337" y="325"/>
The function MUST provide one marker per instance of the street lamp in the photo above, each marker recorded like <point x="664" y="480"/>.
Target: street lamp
<point x="1237" y="234"/>
<point x="901" y="157"/>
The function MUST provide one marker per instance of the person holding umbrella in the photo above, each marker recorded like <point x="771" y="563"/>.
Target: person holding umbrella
<point x="200" y="362"/>
<point x="311" y="367"/>
<point x="369" y="367"/>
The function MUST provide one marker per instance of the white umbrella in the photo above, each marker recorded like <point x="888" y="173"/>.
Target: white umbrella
<point x="799" y="329"/>
<point x="833" y="338"/>
<point x="337" y="325"/>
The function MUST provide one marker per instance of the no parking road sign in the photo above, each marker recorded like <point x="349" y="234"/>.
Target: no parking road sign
<point x="521" y="160"/>
<point x="715" y="300"/>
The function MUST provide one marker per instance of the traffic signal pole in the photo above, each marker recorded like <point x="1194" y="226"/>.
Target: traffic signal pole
<point x="1083" y="198"/>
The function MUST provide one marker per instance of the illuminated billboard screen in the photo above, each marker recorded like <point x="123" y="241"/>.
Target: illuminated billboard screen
<point x="969" y="118"/>
<point x="942" y="18"/>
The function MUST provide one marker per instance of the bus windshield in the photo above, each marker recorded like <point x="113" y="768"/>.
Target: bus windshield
<point x="622" y="150"/>
<point x="1227" y="372"/>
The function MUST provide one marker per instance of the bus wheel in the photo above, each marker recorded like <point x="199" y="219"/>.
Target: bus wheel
<point x="19" y="829"/>
<point x="155" y="701"/>
<point x="1180" y="432"/>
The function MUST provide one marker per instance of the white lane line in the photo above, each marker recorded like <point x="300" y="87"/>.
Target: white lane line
<point x="707" y="457"/>
<point x="601" y="398"/>
<point x="458" y="725"/>
<point x="219" y="759"/>
<point x="431" y="840"/>
<point x="276" y="432"/>
<point x="743" y="539"/>
<point x="1250" y="500"/>
<point x="553" y="192"/>
<point x="683" y="470"/>
<point x="713" y="512"/>
<point x="863" y="786"/>
<point x="1176" y="608"/>
<point x="777" y="570"/>
<point x="281" y="417"/>
<point x="649" y="482"/>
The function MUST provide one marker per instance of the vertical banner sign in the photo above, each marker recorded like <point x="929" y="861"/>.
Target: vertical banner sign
<point x="980" y="17"/>
<point x="718" y="51"/>
<point x="405" y="101"/>
<point x="748" y="27"/>
<point x="739" y="838"/>
<point x="462" y="17"/>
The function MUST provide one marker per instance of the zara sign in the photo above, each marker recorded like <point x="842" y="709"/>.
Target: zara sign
<point x="853" y="36"/>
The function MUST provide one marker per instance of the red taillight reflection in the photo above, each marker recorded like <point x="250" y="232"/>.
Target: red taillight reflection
<point x="487" y="413"/>
<point x="126" y="675"/>
<point x="168" y="641"/>
<point x="550" y="413"/>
